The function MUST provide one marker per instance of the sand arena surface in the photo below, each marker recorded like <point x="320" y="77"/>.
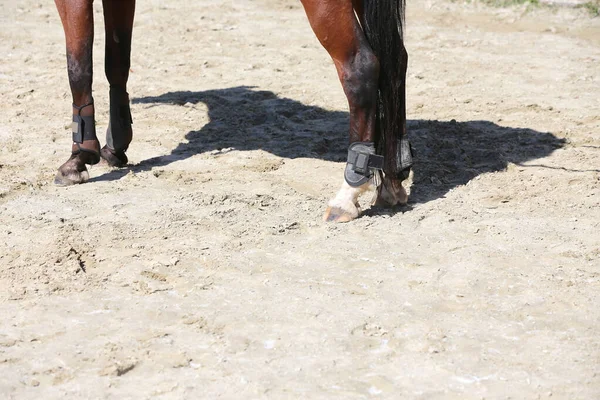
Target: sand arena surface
<point x="204" y="270"/>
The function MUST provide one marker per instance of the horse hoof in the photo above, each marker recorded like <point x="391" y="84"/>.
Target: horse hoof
<point x="337" y="214"/>
<point x="390" y="194"/>
<point x="73" y="172"/>
<point x="117" y="159"/>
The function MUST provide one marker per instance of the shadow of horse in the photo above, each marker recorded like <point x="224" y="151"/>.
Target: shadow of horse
<point x="447" y="153"/>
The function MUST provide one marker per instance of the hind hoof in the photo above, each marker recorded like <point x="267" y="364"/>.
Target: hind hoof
<point x="390" y="194"/>
<point x="337" y="214"/>
<point x="71" y="179"/>
<point x="73" y="172"/>
<point x="117" y="159"/>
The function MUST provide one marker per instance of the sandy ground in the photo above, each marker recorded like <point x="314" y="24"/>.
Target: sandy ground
<point x="203" y="269"/>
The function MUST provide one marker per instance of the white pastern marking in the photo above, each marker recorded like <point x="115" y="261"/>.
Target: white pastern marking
<point x="346" y="198"/>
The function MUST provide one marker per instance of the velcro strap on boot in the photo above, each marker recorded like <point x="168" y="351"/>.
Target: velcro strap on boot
<point x="362" y="162"/>
<point x="84" y="128"/>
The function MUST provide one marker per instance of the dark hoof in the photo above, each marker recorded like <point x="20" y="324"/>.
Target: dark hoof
<point x="113" y="158"/>
<point x="72" y="172"/>
<point x="390" y="194"/>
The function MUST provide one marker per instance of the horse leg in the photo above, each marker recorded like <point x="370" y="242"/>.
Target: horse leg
<point x="338" y="30"/>
<point x="118" y="20"/>
<point x="391" y="192"/>
<point x="383" y="25"/>
<point x="78" y="22"/>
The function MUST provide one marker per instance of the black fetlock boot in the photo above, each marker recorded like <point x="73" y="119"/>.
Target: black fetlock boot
<point x="119" y="133"/>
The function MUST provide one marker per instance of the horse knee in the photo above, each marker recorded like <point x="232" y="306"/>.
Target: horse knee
<point x="360" y="79"/>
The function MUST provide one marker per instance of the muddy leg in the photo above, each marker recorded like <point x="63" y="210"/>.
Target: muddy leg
<point x="358" y="71"/>
<point x="78" y="23"/>
<point x="118" y="17"/>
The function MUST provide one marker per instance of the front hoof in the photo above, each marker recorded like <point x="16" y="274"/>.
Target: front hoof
<point x="117" y="159"/>
<point x="72" y="172"/>
<point x="337" y="214"/>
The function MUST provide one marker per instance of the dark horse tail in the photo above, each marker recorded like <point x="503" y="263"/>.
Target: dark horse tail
<point x="383" y="26"/>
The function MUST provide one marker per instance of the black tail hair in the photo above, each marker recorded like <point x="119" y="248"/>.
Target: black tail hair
<point x="383" y="26"/>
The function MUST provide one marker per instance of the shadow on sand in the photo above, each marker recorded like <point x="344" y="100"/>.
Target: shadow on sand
<point x="447" y="153"/>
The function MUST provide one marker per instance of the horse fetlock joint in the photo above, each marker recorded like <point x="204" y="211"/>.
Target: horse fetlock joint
<point x="362" y="163"/>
